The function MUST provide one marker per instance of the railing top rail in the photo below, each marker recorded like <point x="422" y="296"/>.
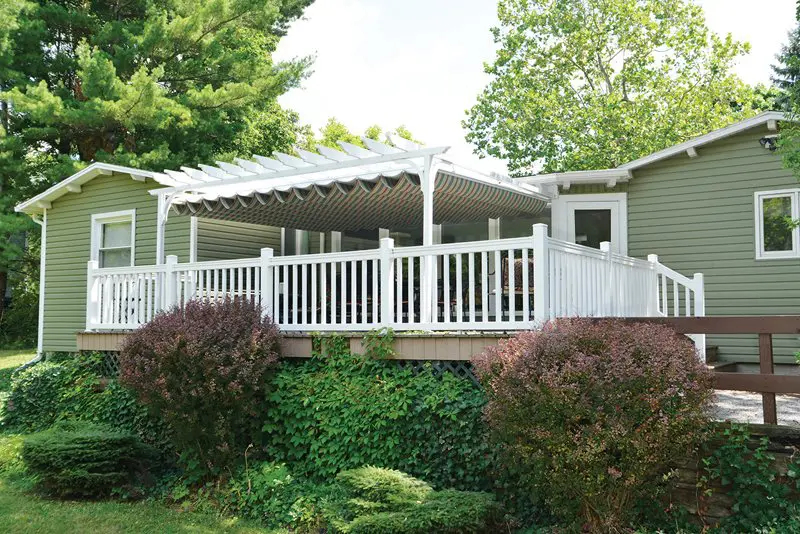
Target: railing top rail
<point x="327" y="257"/>
<point x="675" y="275"/>
<point x="138" y="269"/>
<point x="770" y="324"/>
<point x="464" y="247"/>
<point x="217" y="264"/>
<point x="582" y="250"/>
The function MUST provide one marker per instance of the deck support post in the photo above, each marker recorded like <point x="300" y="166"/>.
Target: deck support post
<point x="653" y="308"/>
<point x="170" y="282"/>
<point x="266" y="282"/>
<point x="92" y="296"/>
<point x="700" y="311"/>
<point x="541" y="271"/>
<point x="428" y="279"/>
<point x="160" y="227"/>
<point x="387" y="282"/>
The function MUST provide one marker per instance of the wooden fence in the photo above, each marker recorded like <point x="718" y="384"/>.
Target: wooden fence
<point x="766" y="381"/>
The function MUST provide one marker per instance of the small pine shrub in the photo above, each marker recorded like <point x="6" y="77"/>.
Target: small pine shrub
<point x="341" y="411"/>
<point x="589" y="413"/>
<point x="79" y="459"/>
<point x="204" y="369"/>
<point x="375" y="500"/>
<point x="34" y="402"/>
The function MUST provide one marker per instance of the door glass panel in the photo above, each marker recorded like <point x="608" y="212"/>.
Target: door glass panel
<point x="777" y="227"/>
<point x="592" y="227"/>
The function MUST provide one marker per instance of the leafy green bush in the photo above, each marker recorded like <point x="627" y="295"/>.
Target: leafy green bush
<point x="378" y="500"/>
<point x="341" y="411"/>
<point x="73" y="389"/>
<point x="268" y="493"/>
<point x="84" y="459"/>
<point x="589" y="413"/>
<point x="749" y="476"/>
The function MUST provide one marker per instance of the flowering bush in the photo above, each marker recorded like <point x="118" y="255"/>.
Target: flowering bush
<point x="589" y="412"/>
<point x="204" y="369"/>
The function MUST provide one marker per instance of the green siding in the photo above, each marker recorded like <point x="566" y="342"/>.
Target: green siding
<point x="697" y="214"/>
<point x="69" y="243"/>
<point x="228" y="240"/>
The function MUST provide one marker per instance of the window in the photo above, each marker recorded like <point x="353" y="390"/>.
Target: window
<point x="776" y="234"/>
<point x="113" y="238"/>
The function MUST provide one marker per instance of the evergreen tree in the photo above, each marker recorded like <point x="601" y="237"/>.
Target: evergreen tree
<point x="149" y="83"/>
<point x="786" y="74"/>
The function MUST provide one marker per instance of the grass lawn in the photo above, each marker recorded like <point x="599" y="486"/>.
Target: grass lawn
<point x="23" y="513"/>
<point x="10" y="360"/>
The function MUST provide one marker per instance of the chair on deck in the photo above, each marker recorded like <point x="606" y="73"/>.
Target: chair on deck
<point x="517" y="291"/>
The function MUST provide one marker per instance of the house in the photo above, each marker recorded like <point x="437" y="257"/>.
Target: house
<point x="396" y="235"/>
<point x="715" y="204"/>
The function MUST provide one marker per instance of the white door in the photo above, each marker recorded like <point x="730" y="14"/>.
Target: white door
<point x="591" y="219"/>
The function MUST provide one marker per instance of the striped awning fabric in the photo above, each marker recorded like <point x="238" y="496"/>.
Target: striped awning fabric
<point x="377" y="202"/>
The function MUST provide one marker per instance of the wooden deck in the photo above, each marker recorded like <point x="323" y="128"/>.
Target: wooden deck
<point x="438" y="346"/>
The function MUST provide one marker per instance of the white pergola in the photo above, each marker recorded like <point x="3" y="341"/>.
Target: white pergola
<point x="316" y="184"/>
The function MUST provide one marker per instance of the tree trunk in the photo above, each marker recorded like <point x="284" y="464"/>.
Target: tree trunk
<point x="3" y="286"/>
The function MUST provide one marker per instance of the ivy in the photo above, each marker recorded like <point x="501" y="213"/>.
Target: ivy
<point x="341" y="411"/>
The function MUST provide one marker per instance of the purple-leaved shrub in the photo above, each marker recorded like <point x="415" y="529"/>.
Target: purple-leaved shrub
<point x="204" y="368"/>
<point x="589" y="413"/>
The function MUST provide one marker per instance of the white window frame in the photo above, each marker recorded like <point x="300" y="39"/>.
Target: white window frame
<point x="759" y="197"/>
<point x="563" y="216"/>
<point x="99" y="219"/>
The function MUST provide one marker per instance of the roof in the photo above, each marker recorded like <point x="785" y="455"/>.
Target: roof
<point x="352" y="188"/>
<point x="623" y="172"/>
<point x="73" y="184"/>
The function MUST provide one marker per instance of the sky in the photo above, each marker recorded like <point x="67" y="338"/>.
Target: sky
<point x="419" y="63"/>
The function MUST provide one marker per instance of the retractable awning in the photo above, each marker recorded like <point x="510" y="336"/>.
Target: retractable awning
<point x="351" y="189"/>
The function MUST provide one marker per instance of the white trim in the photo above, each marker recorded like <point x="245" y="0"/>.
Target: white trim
<point x="762" y="118"/>
<point x="42" y="279"/>
<point x="193" y="239"/>
<point x="72" y="185"/>
<point x="99" y="219"/>
<point x="758" y="213"/>
<point x="564" y="207"/>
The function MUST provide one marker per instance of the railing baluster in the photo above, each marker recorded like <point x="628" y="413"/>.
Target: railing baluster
<point x="344" y="293"/>
<point x="334" y="292"/>
<point x="364" y="302"/>
<point x="376" y="295"/>
<point x="676" y="305"/>
<point x="526" y="312"/>
<point x="484" y="288"/>
<point x="512" y="287"/>
<point x="459" y="291"/>
<point x="446" y="287"/>
<point x="498" y="289"/>
<point x="304" y="294"/>
<point x="411" y="289"/>
<point x="471" y="267"/>
<point x="323" y="301"/>
<point x="313" y="294"/>
<point x="398" y="269"/>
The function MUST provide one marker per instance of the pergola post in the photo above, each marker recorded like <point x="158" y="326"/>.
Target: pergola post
<point x="161" y="222"/>
<point x="428" y="280"/>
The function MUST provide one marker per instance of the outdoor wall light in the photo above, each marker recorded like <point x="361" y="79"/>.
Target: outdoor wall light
<point x="769" y="142"/>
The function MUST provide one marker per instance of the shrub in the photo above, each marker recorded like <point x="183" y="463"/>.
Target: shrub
<point x="84" y="459"/>
<point x="378" y="500"/>
<point x="268" y="493"/>
<point x="204" y="368"/>
<point x="72" y="389"/>
<point x="341" y="411"/>
<point x="588" y="412"/>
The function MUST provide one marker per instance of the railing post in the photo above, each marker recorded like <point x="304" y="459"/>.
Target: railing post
<point x="609" y="297"/>
<point x="541" y="274"/>
<point x="700" y="311"/>
<point x="267" y="299"/>
<point x="92" y="296"/>
<point x="170" y="282"/>
<point x="387" y="282"/>
<point x="652" y="300"/>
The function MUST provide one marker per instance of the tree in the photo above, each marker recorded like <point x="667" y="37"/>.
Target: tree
<point x="335" y="131"/>
<point x="148" y="83"/>
<point x="786" y="74"/>
<point x="588" y="84"/>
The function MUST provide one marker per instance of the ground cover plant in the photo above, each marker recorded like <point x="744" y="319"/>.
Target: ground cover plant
<point x="342" y="411"/>
<point x="204" y="369"/>
<point x="590" y="412"/>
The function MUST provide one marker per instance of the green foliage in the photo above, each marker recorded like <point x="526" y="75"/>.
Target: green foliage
<point x="594" y="84"/>
<point x="386" y="501"/>
<point x="84" y="459"/>
<point x="73" y="389"/>
<point x="341" y="411"/>
<point x="749" y="476"/>
<point x="268" y="493"/>
<point x="335" y="131"/>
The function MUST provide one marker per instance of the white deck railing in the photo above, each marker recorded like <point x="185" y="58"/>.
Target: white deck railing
<point x="504" y="284"/>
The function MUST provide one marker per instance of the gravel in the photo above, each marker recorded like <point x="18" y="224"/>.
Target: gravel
<point x="744" y="407"/>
